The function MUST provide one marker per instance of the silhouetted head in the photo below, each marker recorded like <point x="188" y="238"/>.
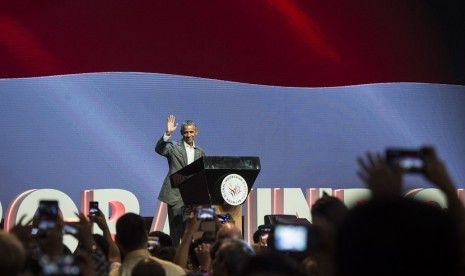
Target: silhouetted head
<point x="397" y="236"/>
<point x="329" y="208"/>
<point x="130" y="232"/>
<point x="229" y="256"/>
<point x="12" y="254"/>
<point x="148" y="267"/>
<point x="228" y="230"/>
<point x="271" y="263"/>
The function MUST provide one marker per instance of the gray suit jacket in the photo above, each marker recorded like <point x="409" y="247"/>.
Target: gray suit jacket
<point x="176" y="154"/>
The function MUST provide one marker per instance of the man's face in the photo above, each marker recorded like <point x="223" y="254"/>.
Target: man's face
<point x="188" y="134"/>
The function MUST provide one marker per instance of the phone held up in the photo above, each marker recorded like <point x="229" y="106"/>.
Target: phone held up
<point x="223" y="218"/>
<point x="264" y="232"/>
<point x="93" y="208"/>
<point x="411" y="161"/>
<point x="153" y="243"/>
<point x="48" y="214"/>
<point x="291" y="237"/>
<point x="68" y="228"/>
<point x="206" y="213"/>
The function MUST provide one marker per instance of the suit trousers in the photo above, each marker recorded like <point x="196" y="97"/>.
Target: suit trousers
<point x="177" y="215"/>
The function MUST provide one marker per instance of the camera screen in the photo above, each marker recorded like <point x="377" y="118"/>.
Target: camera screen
<point x="48" y="213"/>
<point x="46" y="224"/>
<point x="93" y="208"/>
<point x="34" y="231"/>
<point x="68" y="229"/>
<point x="408" y="160"/>
<point x="206" y="213"/>
<point x="152" y="243"/>
<point x="223" y="218"/>
<point x="264" y="233"/>
<point x="290" y="237"/>
<point x="48" y="208"/>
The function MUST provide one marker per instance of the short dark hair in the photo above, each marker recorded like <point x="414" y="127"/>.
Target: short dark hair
<point x="331" y="208"/>
<point x="131" y="232"/>
<point x="163" y="238"/>
<point x="234" y="253"/>
<point x="188" y="123"/>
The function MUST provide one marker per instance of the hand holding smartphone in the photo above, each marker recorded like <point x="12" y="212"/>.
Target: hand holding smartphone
<point x="93" y="208"/>
<point x="206" y="213"/>
<point x="265" y="231"/>
<point x="48" y="214"/>
<point x="223" y="218"/>
<point x="291" y="237"/>
<point x="68" y="228"/>
<point x="410" y="160"/>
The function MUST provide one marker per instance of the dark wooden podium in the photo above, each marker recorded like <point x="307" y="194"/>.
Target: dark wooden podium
<point x="200" y="182"/>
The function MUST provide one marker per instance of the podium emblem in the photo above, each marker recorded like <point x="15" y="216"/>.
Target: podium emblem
<point x="234" y="189"/>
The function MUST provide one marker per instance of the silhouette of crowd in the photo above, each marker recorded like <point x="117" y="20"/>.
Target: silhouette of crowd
<point x="388" y="234"/>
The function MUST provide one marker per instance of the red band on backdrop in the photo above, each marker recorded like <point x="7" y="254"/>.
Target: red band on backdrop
<point x="289" y="43"/>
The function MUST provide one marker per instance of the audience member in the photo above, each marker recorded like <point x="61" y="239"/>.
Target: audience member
<point x="131" y="236"/>
<point x="271" y="263"/>
<point x="161" y="246"/>
<point x="166" y="253"/>
<point x="181" y="257"/>
<point x="12" y="254"/>
<point x="397" y="236"/>
<point x="113" y="254"/>
<point x="392" y="235"/>
<point x="228" y="230"/>
<point x="163" y="238"/>
<point x="148" y="267"/>
<point x="330" y="209"/>
<point x="230" y="257"/>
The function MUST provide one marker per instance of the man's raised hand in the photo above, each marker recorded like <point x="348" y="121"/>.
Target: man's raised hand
<point x="171" y="125"/>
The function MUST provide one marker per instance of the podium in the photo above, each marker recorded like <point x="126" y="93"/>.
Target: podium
<point x="201" y="182"/>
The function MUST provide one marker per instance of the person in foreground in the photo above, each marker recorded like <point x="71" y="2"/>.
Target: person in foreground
<point x="394" y="235"/>
<point x="179" y="154"/>
<point x="131" y="237"/>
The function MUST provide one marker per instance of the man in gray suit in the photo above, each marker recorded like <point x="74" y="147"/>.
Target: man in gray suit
<point x="179" y="155"/>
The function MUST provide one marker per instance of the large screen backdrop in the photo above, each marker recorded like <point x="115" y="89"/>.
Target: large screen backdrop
<point x="86" y="86"/>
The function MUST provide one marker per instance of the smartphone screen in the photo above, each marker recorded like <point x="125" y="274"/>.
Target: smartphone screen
<point x="34" y="231"/>
<point x="48" y="214"/>
<point x="69" y="229"/>
<point x="222" y="218"/>
<point x="408" y="160"/>
<point x="153" y="243"/>
<point x="264" y="233"/>
<point x="93" y="208"/>
<point x="206" y="213"/>
<point x="291" y="238"/>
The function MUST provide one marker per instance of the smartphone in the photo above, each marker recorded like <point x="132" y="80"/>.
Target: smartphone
<point x="223" y="218"/>
<point x="205" y="213"/>
<point x="93" y="208"/>
<point x="291" y="238"/>
<point x="69" y="229"/>
<point x="34" y="230"/>
<point x="409" y="160"/>
<point x="264" y="233"/>
<point x="48" y="214"/>
<point x="153" y="243"/>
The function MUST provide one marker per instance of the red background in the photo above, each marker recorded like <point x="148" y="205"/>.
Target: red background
<point x="275" y="42"/>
